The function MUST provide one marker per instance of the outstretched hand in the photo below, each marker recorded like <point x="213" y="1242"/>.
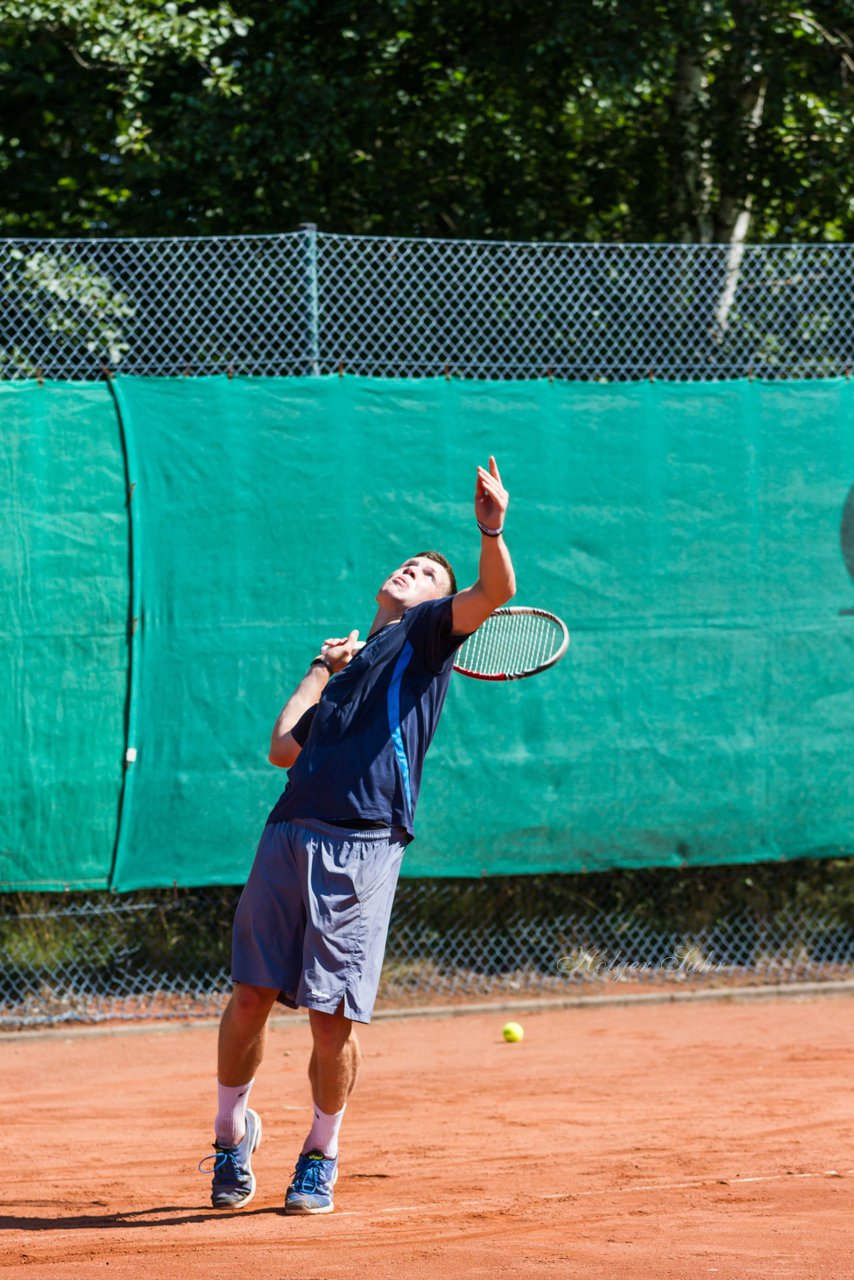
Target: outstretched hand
<point x="490" y="497"/>
<point x="338" y="652"/>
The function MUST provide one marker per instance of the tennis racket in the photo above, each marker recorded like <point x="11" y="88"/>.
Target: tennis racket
<point x="513" y="643"/>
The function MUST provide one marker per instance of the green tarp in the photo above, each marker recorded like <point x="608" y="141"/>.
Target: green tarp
<point x="63" y="634"/>
<point x="689" y="534"/>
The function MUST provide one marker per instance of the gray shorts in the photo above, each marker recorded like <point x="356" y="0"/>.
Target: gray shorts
<point x="313" y="918"/>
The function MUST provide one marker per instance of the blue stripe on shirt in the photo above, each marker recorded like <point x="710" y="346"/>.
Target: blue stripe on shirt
<point x="394" y="721"/>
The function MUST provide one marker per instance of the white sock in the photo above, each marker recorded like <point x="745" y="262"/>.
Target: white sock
<point x="230" y="1123"/>
<point x="324" y="1133"/>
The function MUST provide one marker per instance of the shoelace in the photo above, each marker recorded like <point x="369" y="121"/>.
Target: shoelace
<point x="307" y="1178"/>
<point x="220" y="1160"/>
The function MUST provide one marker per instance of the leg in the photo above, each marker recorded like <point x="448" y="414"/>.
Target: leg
<point x="243" y="1033"/>
<point x="334" y="1061"/>
<point x="332" y="1071"/>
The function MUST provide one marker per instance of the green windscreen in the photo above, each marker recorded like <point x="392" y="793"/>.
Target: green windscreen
<point x="63" y="634"/>
<point x="689" y="535"/>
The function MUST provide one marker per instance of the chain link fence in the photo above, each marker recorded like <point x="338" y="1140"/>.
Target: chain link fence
<point x="148" y="957"/>
<point x="311" y="303"/>
<point x="308" y="302"/>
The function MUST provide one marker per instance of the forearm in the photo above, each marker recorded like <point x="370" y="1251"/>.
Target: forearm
<point x="306" y="694"/>
<point x="495" y="573"/>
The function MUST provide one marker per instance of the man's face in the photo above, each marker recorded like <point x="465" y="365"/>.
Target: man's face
<point x="416" y="580"/>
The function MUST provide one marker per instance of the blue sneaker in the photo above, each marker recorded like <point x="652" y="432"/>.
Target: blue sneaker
<point x="233" y="1180"/>
<point x="311" y="1189"/>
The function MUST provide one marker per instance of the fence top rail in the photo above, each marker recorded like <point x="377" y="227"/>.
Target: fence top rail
<point x="176" y="239"/>
<point x="647" y="246"/>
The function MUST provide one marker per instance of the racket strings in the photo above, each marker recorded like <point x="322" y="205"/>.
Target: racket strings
<point x="511" y="643"/>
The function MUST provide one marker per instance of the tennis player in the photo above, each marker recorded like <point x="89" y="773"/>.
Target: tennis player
<point x="311" y="925"/>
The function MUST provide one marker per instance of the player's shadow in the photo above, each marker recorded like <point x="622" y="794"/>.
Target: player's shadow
<point x="133" y="1218"/>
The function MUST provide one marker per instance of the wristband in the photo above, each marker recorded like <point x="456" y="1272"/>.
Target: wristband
<point x="490" y="533"/>
<point x="320" y="662"/>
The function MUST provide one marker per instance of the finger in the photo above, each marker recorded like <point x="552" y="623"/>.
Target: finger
<point x="487" y="479"/>
<point x="493" y="467"/>
<point x="354" y="635"/>
<point x="495" y="490"/>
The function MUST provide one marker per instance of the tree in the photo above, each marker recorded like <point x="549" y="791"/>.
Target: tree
<point x="76" y="77"/>
<point x="685" y="120"/>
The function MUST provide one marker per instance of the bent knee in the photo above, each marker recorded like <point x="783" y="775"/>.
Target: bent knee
<point x="252" y="1000"/>
<point x="330" y="1031"/>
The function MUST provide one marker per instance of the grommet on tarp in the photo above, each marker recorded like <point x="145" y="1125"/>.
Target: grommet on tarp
<point x="340" y="368"/>
<point x="40" y="376"/>
<point x="105" y="372"/>
<point x="750" y="374"/>
<point x="550" y="375"/>
<point x="447" y="373"/>
<point x="650" y="373"/>
<point x="188" y="371"/>
<point x="229" y="373"/>
<point x="848" y="372"/>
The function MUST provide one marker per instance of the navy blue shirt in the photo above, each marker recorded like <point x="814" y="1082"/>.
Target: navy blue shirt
<point x="364" y="743"/>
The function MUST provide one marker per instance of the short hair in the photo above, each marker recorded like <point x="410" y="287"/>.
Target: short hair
<point x="440" y="559"/>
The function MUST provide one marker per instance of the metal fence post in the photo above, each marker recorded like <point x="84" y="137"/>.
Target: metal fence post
<point x="312" y="309"/>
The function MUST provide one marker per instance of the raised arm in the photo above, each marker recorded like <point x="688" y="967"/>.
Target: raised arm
<point x="496" y="581"/>
<point x="335" y="654"/>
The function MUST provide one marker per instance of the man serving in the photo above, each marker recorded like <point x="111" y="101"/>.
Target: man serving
<point x="311" y="924"/>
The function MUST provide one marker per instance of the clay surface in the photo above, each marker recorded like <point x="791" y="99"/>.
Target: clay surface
<point x="626" y="1143"/>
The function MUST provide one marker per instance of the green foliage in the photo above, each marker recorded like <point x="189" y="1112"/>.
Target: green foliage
<point x="173" y="933"/>
<point x="70" y="300"/>
<point x="127" y="41"/>
<point x="691" y="898"/>
<point x="610" y="119"/>
<point x="185" y="932"/>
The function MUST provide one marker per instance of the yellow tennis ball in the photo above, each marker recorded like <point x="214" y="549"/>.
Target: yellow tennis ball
<point x="513" y="1032"/>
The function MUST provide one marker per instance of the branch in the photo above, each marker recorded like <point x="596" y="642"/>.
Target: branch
<point x="836" y="39"/>
<point x="81" y="61"/>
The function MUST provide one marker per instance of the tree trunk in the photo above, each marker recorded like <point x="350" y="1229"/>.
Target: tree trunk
<point x="746" y="88"/>
<point x="690" y="183"/>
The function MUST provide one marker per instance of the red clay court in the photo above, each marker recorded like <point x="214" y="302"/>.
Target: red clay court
<point x="663" y="1142"/>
